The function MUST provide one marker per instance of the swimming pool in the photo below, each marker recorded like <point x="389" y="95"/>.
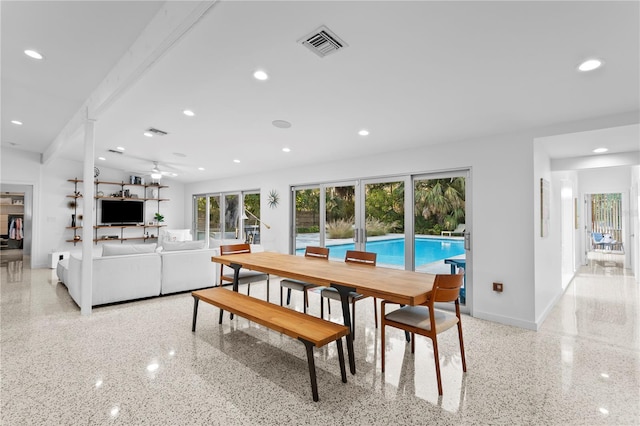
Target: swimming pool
<point x="391" y="252"/>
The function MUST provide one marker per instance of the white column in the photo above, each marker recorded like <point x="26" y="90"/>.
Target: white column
<point x="88" y="211"/>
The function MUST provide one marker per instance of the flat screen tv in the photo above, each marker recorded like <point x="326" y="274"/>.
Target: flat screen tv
<point x="122" y="212"/>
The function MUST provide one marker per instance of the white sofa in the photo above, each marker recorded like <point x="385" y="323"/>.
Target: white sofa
<point x="116" y="278"/>
<point x="176" y="267"/>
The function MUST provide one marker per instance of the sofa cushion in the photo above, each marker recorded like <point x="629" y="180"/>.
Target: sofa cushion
<point x="182" y="245"/>
<point x="122" y="249"/>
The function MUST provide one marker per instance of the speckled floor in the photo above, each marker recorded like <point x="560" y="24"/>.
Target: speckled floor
<point x="139" y="364"/>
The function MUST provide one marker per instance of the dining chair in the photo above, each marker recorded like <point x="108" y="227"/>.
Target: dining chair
<point x="310" y="252"/>
<point x="358" y="258"/>
<point x="245" y="276"/>
<point x="426" y="320"/>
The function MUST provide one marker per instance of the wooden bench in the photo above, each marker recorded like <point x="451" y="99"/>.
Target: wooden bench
<point x="312" y="331"/>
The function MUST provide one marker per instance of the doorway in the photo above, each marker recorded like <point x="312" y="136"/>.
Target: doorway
<point x="16" y="205"/>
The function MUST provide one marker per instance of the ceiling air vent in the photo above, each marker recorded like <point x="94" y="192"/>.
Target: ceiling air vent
<point x="156" y="132"/>
<point x="323" y="42"/>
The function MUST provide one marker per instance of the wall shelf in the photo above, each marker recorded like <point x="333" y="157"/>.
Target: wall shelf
<point x="120" y="229"/>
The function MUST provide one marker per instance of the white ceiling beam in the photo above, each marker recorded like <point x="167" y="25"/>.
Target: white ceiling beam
<point x="169" y="25"/>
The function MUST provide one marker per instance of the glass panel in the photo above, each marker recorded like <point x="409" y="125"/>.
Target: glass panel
<point x="231" y="216"/>
<point x="307" y="219"/>
<point x="439" y="225"/>
<point x="340" y="219"/>
<point x="384" y="222"/>
<point x="251" y="216"/>
<point x="214" y="217"/>
<point x="200" y="208"/>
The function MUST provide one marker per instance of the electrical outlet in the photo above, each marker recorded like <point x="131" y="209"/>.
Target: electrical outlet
<point x="497" y="287"/>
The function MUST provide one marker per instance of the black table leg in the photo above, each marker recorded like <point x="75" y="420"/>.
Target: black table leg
<point x="312" y="368"/>
<point x="195" y="313"/>
<point x="346" y="314"/>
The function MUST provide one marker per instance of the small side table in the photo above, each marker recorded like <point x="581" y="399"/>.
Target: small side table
<point x="57" y="256"/>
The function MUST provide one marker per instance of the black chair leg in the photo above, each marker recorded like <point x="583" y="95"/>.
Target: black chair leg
<point x="304" y="300"/>
<point x="288" y="296"/>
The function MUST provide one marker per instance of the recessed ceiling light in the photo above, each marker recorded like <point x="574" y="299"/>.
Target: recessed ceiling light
<point x="236" y="161"/>
<point x="590" y="65"/>
<point x="188" y="113"/>
<point x="260" y="75"/>
<point x="286" y="149"/>
<point x="101" y="158"/>
<point x="148" y="134"/>
<point x="120" y="148"/>
<point x="600" y="150"/>
<point x="16" y="122"/>
<point x="201" y="168"/>
<point x="33" y="54"/>
<point x="363" y="132"/>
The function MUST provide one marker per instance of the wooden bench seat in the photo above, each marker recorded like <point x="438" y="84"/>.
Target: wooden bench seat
<point x="312" y="331"/>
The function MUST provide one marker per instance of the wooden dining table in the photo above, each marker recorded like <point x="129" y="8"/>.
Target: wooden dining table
<point x="395" y="285"/>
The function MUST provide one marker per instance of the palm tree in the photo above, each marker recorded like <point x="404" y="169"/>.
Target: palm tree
<point x="442" y="200"/>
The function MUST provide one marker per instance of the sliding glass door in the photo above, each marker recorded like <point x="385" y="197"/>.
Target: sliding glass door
<point x="224" y="216"/>
<point x="306" y="218"/>
<point x="383" y="221"/>
<point x="411" y="222"/>
<point x="441" y="237"/>
<point x="340" y="216"/>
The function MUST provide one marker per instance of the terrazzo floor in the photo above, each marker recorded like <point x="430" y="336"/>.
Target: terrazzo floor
<point x="139" y="363"/>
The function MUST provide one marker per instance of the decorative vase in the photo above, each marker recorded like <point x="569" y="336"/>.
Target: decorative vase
<point x="73" y="220"/>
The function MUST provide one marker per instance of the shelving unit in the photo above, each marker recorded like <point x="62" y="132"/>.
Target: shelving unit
<point x="11" y="208"/>
<point x="122" y="196"/>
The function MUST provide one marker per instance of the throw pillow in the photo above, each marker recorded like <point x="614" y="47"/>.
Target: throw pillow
<point x="122" y="249"/>
<point x="182" y="245"/>
<point x="174" y="235"/>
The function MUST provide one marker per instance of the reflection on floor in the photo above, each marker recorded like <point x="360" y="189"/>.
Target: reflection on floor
<point x="139" y="363"/>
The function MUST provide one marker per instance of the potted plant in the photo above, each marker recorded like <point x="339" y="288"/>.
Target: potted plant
<point x="158" y="218"/>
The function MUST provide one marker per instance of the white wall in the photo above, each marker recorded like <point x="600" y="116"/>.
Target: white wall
<point x="501" y="223"/>
<point x="548" y="249"/>
<point x="634" y="221"/>
<point x="51" y="213"/>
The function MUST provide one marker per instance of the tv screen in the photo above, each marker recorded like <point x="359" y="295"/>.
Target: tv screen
<point x="122" y="212"/>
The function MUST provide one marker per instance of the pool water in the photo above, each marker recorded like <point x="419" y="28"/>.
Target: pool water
<point x="391" y="252"/>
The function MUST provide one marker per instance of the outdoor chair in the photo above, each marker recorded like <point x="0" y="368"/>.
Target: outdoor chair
<point x="458" y="231"/>
<point x="427" y="321"/>
<point x="310" y="252"/>
<point x="245" y="276"/>
<point x="359" y="258"/>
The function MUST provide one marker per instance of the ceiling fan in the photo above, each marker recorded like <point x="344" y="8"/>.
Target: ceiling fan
<point x="156" y="173"/>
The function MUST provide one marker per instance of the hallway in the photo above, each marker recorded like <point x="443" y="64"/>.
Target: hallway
<point x="138" y="363"/>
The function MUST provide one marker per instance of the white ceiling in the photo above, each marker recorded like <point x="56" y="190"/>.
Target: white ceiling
<point x="413" y="74"/>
